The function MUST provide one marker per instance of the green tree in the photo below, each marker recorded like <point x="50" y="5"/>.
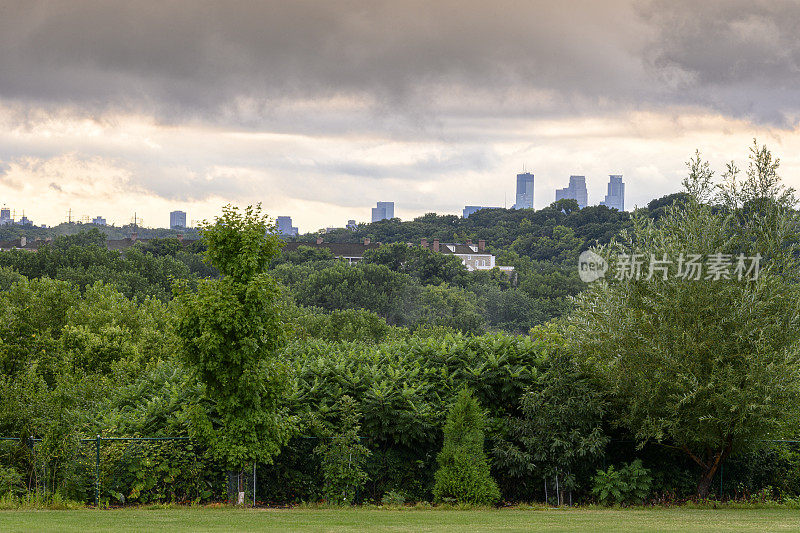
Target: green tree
<point x="463" y="473"/>
<point x="367" y="286"/>
<point x="427" y="266"/>
<point x="560" y="433"/>
<point x="231" y="331"/>
<point x="347" y="325"/>
<point x="343" y="456"/>
<point x="440" y="305"/>
<point x="708" y="366"/>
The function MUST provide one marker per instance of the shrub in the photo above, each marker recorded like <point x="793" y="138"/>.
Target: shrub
<point x="629" y="484"/>
<point x="10" y="481"/>
<point x="393" y="497"/>
<point x="463" y="473"/>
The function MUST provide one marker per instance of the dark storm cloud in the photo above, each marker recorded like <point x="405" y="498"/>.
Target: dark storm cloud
<point x="244" y="62"/>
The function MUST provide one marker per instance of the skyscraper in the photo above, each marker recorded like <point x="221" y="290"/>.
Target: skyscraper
<point x="285" y="227"/>
<point x="5" y="216"/>
<point x="524" y="191"/>
<point x="177" y="220"/>
<point x="383" y="211"/>
<point x="615" y="199"/>
<point x="576" y="191"/>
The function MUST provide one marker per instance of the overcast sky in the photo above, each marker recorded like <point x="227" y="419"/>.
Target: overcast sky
<point x="320" y="109"/>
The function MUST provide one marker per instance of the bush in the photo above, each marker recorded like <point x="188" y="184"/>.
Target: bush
<point x="629" y="484"/>
<point x="10" y="481"/>
<point x="463" y="473"/>
<point x="393" y="497"/>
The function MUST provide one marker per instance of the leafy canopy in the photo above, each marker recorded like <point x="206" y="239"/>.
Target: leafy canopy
<point x="709" y="366"/>
<point x="231" y="330"/>
<point x="240" y="245"/>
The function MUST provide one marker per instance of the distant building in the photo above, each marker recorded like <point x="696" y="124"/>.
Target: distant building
<point x="383" y="211"/>
<point x="177" y="220"/>
<point x="5" y="216"/>
<point x="615" y="199"/>
<point x="473" y="256"/>
<point x="576" y="191"/>
<point x="350" y="252"/>
<point x="99" y="221"/>
<point x="285" y="227"/>
<point x="24" y="221"/>
<point x="524" y="191"/>
<point x="470" y="209"/>
<point x="351" y="225"/>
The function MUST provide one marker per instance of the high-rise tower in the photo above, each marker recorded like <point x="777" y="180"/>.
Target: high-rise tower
<point x="285" y="226"/>
<point x="524" y="191"/>
<point x="615" y="199"/>
<point x="576" y="191"/>
<point x="177" y="220"/>
<point x="383" y="211"/>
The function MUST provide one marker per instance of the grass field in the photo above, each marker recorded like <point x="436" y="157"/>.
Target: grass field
<point x="506" y="520"/>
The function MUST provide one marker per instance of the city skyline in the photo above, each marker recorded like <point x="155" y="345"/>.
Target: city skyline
<point x="112" y="108"/>
<point x="615" y="198"/>
<point x="525" y="194"/>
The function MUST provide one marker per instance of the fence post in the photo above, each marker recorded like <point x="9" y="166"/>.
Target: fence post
<point x="31" y="444"/>
<point x="97" y="473"/>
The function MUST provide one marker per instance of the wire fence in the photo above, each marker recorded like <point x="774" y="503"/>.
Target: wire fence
<point x="242" y="485"/>
<point x="109" y="470"/>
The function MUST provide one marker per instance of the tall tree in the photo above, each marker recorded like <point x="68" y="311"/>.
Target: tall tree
<point x="231" y="331"/>
<point x="702" y="345"/>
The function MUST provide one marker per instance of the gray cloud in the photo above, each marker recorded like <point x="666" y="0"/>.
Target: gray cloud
<point x="739" y="57"/>
<point x="245" y="62"/>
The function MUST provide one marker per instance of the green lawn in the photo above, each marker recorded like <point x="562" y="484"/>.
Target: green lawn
<point x="189" y="519"/>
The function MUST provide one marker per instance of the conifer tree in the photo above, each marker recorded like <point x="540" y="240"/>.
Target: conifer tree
<point x="463" y="473"/>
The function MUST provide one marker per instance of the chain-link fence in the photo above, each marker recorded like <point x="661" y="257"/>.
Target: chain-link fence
<point x="108" y="471"/>
<point x="116" y="470"/>
<point x="242" y="486"/>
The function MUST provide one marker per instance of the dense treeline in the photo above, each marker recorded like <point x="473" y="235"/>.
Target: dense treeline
<point x="99" y="363"/>
<point x="142" y="271"/>
<point x="10" y="232"/>
<point x="404" y="377"/>
<point x="406" y="286"/>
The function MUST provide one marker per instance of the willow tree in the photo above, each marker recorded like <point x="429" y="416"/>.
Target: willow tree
<point x="231" y="332"/>
<point x="696" y="324"/>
